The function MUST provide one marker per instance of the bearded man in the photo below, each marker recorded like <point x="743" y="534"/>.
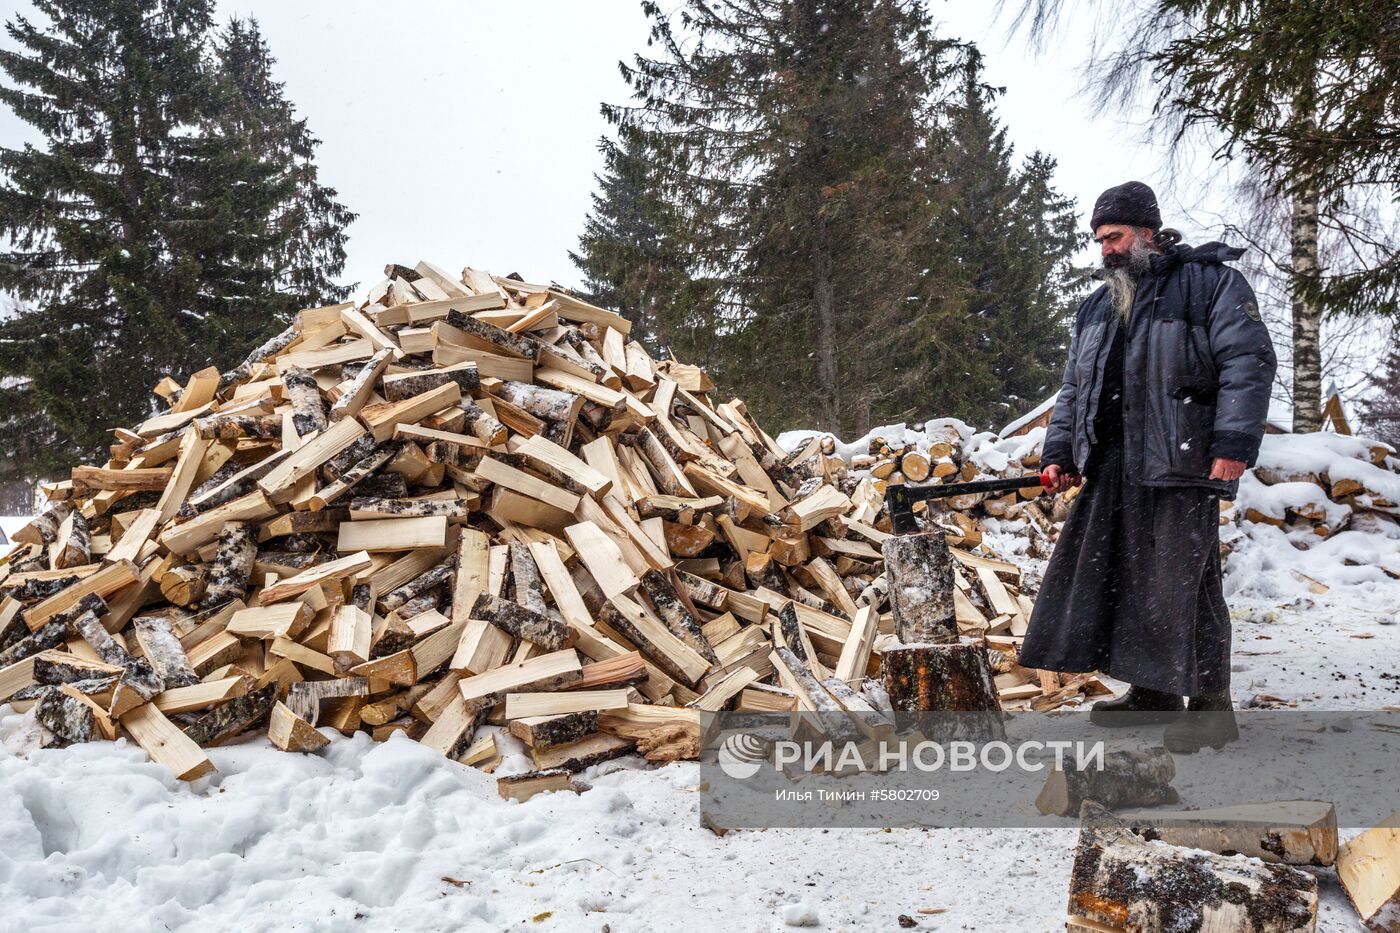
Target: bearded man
<point x="1162" y="409"/>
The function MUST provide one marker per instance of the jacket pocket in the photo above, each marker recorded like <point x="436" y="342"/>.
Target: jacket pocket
<point x="1192" y="429"/>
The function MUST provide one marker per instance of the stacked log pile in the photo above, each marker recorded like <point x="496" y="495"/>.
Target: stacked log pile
<point x="1314" y="486"/>
<point x="1309" y="486"/>
<point x="465" y="500"/>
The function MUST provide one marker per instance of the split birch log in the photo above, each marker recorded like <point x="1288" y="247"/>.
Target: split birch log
<point x="354" y="475"/>
<point x="290" y="733"/>
<point x="348" y="643"/>
<point x="481" y="425"/>
<point x="215" y="492"/>
<point x="234" y="717"/>
<point x="548" y="633"/>
<point x="235" y="550"/>
<point x="549" y="404"/>
<point x="403" y="386"/>
<point x="521" y="787"/>
<point x="1369" y="869"/>
<point x="525" y="575"/>
<point x="1121" y="881"/>
<point x="68" y="718"/>
<point x="440" y="574"/>
<point x="355" y="394"/>
<point x="787" y="631"/>
<point x="629" y="622"/>
<point x="362" y="447"/>
<point x="1294" y="832"/>
<point x="243" y="370"/>
<point x="832" y="719"/>
<point x="541" y="732"/>
<point x="674" y="614"/>
<point x="59" y="667"/>
<point x="88" y="627"/>
<point x="54" y="632"/>
<point x="162" y="649"/>
<point x="308" y="411"/>
<point x="72" y="546"/>
<point x="233" y="427"/>
<point x="454" y="509"/>
<point x="1129" y="778"/>
<point x="585" y="753"/>
<point x="43" y="528"/>
<point x="184" y="585"/>
<point x="499" y="340"/>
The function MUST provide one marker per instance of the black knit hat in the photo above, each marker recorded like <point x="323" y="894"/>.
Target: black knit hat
<point x="1131" y="203"/>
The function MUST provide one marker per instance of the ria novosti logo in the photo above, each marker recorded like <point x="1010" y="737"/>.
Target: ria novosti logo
<point x="741" y="755"/>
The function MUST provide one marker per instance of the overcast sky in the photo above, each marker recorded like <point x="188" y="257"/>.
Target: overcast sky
<point x="466" y="132"/>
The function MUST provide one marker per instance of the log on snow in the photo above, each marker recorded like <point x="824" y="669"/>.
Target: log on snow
<point x="1294" y="832"/>
<point x="1121" y="881"/>
<point x="953" y="678"/>
<point x="1369" y="869"/>
<point x="1129" y="778"/>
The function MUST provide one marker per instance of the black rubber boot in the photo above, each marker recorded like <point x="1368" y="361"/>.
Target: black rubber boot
<point x="1209" y="720"/>
<point x="1147" y="708"/>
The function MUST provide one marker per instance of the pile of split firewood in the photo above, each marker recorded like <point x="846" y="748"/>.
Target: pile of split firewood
<point x="464" y="500"/>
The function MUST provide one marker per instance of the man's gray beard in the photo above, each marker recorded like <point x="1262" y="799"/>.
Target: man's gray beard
<point x="1122" y="281"/>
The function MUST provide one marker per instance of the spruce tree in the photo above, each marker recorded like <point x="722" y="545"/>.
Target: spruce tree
<point x="309" y="224"/>
<point x="147" y="236"/>
<point x="1013" y="238"/>
<point x="833" y="174"/>
<point x="633" y="256"/>
<point x="797" y="132"/>
<point x="1380" y="413"/>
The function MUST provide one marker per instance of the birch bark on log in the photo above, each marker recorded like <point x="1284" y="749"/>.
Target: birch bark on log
<point x="548" y="633"/>
<point x="162" y="649"/>
<point x="235" y="550"/>
<point x="525" y="574"/>
<point x="920" y="573"/>
<point x="1130" y="778"/>
<point x="549" y="404"/>
<point x="1121" y="881"/>
<point x="672" y="612"/>
<point x="481" y="425"/>
<point x="308" y="410"/>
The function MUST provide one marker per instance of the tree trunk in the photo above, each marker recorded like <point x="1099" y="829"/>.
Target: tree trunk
<point x="824" y="301"/>
<point x="1307" y="316"/>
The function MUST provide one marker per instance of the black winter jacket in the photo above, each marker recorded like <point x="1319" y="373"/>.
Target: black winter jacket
<point x="1198" y="369"/>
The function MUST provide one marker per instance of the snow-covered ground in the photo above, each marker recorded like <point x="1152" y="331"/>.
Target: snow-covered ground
<point x="368" y="837"/>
